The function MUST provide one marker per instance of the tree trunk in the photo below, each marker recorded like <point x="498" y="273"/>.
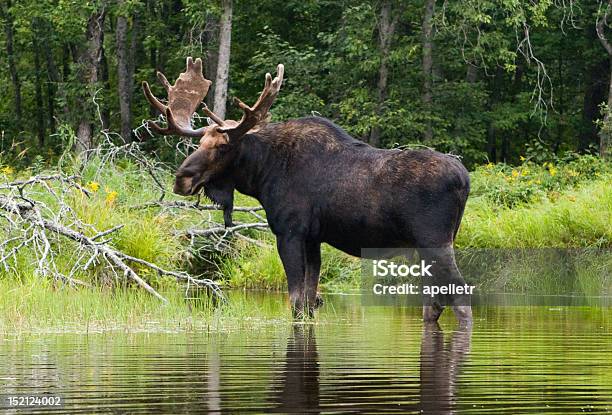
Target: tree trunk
<point x="52" y="82"/>
<point x="38" y="95"/>
<point x="594" y="95"/>
<point x="427" y="97"/>
<point x="606" y="129"/>
<point x="211" y="34"/>
<point x="594" y="74"/>
<point x="133" y="50"/>
<point x="605" y="132"/>
<point x="65" y="61"/>
<point x="471" y="74"/>
<point x="124" y="75"/>
<point x="90" y="58"/>
<point x="494" y="97"/>
<point x="560" y="95"/>
<point x="386" y="29"/>
<point x="151" y="12"/>
<point x="225" y="42"/>
<point x="491" y="143"/>
<point x="8" y="30"/>
<point x="105" y="113"/>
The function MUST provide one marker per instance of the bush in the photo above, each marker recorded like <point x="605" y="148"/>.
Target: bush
<point x="578" y="217"/>
<point x="509" y="186"/>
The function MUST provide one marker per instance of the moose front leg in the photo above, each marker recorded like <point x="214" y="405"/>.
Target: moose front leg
<point x="291" y="250"/>
<point x="227" y="216"/>
<point x="445" y="272"/>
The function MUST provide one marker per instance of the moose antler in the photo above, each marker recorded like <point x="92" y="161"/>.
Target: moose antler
<point x="254" y="116"/>
<point x="184" y="97"/>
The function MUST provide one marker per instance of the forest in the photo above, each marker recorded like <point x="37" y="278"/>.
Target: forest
<point x="137" y="275"/>
<point x="519" y="90"/>
<point x="491" y="81"/>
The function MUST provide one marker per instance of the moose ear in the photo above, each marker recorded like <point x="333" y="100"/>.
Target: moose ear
<point x="222" y="138"/>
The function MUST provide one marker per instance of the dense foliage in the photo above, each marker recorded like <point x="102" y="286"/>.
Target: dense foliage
<point x="506" y="79"/>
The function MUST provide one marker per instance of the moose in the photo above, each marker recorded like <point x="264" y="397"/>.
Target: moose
<point x="319" y="185"/>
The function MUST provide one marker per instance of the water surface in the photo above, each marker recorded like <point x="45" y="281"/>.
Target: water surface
<point x="352" y="359"/>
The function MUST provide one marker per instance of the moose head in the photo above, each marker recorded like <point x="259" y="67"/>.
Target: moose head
<point x="218" y="140"/>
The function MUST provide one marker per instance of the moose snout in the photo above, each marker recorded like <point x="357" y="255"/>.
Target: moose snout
<point x="183" y="185"/>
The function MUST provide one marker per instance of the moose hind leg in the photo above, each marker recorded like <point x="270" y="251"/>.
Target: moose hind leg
<point x="432" y="312"/>
<point x="444" y="272"/>
<point x="461" y="303"/>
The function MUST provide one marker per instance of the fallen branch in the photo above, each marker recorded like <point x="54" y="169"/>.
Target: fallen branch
<point x="178" y="275"/>
<point x="69" y="180"/>
<point x="30" y="214"/>
<point x="27" y="227"/>
<point x="226" y="231"/>
<point x="219" y="230"/>
<point x="107" y="232"/>
<point x="188" y="205"/>
<point x="253" y="241"/>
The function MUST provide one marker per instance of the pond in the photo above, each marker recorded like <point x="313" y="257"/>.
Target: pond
<point x="352" y="359"/>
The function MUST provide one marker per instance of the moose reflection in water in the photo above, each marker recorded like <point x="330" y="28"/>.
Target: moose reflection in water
<point x="300" y="383"/>
<point x="440" y="366"/>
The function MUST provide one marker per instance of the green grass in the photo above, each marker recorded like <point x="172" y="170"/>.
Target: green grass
<point x="579" y="217"/>
<point x="568" y="204"/>
<point x="514" y="186"/>
<point x="35" y="305"/>
<point x="261" y="268"/>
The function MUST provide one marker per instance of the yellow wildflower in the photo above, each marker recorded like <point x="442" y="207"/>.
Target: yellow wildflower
<point x="490" y="165"/>
<point x="8" y="170"/>
<point x="522" y="158"/>
<point x="525" y="172"/>
<point x="515" y="173"/>
<point x="93" y="186"/>
<point x="552" y="171"/>
<point x="111" y="197"/>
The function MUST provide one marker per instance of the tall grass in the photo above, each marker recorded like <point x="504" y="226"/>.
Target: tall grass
<point x="261" y="268"/>
<point x="566" y="204"/>
<point x="579" y="217"/>
<point x="34" y="305"/>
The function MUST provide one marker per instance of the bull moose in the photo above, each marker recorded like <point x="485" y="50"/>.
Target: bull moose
<point x="318" y="185"/>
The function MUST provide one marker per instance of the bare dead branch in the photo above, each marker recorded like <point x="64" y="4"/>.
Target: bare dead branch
<point x="31" y="222"/>
<point x="188" y="205"/>
<point x="223" y="231"/>
<point x="31" y="213"/>
<point x="600" y="25"/>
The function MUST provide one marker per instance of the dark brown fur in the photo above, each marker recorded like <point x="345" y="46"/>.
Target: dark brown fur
<point x="319" y="185"/>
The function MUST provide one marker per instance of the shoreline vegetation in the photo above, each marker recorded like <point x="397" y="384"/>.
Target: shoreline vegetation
<point x="565" y="203"/>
